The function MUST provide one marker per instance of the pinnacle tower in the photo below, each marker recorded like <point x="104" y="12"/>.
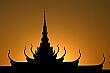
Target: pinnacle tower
<point x="44" y="38"/>
<point x="45" y="52"/>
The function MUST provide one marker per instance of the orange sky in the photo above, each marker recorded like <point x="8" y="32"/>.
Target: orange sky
<point x="75" y="24"/>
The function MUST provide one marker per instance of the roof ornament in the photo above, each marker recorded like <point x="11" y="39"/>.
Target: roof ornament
<point x="57" y="51"/>
<point x="11" y="61"/>
<point x="25" y="52"/>
<point x="27" y="58"/>
<point x="62" y="58"/>
<point x="34" y="55"/>
<point x="103" y="59"/>
<point x="9" y="56"/>
<point x="77" y="60"/>
<point x="64" y="53"/>
<point x="79" y="55"/>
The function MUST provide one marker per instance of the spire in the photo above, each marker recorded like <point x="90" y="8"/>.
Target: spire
<point x="44" y="33"/>
<point x="44" y="17"/>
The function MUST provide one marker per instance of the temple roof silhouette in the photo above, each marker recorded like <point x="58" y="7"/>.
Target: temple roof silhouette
<point x="45" y="59"/>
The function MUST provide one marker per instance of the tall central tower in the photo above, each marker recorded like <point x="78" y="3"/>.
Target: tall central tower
<point x="45" y="52"/>
<point x="44" y="39"/>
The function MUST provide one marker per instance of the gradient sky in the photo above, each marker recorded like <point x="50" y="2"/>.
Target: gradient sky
<point x="75" y="24"/>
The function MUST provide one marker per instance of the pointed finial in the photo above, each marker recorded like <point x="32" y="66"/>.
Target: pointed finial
<point x="104" y="58"/>
<point x="9" y="51"/>
<point x="79" y="51"/>
<point x="44" y="8"/>
<point x="103" y="55"/>
<point x="65" y="51"/>
<point x="44" y="15"/>
<point x="44" y="33"/>
<point x="25" y="48"/>
<point x="57" y="45"/>
<point x="31" y="45"/>
<point x="64" y="47"/>
<point x="80" y="54"/>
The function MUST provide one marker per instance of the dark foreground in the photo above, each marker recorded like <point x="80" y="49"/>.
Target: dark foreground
<point x="40" y="69"/>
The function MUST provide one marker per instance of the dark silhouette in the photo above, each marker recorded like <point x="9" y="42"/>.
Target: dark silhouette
<point x="45" y="60"/>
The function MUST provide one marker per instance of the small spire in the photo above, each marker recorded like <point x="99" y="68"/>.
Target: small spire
<point x="44" y="33"/>
<point x="45" y="27"/>
<point x="44" y="17"/>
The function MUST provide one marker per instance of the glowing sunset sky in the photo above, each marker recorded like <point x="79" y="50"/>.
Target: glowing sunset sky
<point x="75" y="24"/>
